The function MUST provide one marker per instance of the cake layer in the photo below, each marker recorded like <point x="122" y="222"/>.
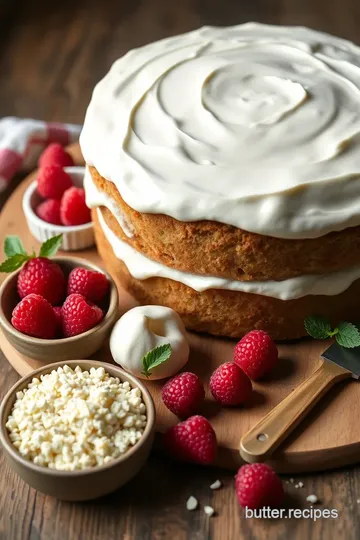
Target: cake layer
<point x="252" y="126"/>
<point x="226" y="312"/>
<point x="209" y="248"/>
<point x="142" y="267"/>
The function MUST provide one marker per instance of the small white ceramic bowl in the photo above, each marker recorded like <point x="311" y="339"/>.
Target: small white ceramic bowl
<point x="75" y="236"/>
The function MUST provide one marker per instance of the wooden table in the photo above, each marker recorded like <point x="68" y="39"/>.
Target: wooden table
<point x="51" y="55"/>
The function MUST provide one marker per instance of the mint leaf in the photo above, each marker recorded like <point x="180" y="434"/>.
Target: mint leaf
<point x="318" y="327"/>
<point x="348" y="335"/>
<point x="13" y="246"/>
<point x="51" y="246"/>
<point x="13" y="263"/>
<point x="155" y="357"/>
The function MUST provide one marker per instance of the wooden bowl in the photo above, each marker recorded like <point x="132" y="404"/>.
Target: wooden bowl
<point x="56" y="350"/>
<point x="88" y="483"/>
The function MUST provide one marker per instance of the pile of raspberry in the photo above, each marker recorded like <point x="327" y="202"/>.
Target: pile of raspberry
<point x="194" y="439"/>
<point x="63" y="204"/>
<point x="54" y="306"/>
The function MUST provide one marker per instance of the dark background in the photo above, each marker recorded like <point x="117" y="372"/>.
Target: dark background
<point x="51" y="55"/>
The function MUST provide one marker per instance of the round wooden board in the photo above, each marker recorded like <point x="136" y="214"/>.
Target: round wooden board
<point x="328" y="438"/>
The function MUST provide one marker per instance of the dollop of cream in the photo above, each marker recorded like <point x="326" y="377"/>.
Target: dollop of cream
<point x="142" y="329"/>
<point x="254" y="126"/>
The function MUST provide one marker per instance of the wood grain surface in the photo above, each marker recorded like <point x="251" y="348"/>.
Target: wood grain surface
<point x="329" y="437"/>
<point x="51" y="55"/>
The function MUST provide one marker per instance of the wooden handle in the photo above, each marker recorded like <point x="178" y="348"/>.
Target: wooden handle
<point x="259" y="443"/>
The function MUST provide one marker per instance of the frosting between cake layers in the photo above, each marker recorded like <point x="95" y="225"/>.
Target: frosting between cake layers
<point x="95" y="198"/>
<point x="254" y="126"/>
<point x="141" y="267"/>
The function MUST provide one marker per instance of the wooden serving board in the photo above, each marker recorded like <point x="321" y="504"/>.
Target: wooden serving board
<point x="328" y="438"/>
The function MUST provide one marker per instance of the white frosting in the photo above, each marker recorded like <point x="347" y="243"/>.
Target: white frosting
<point x="255" y="126"/>
<point x="141" y="267"/>
<point x="95" y="198"/>
<point x="142" y="329"/>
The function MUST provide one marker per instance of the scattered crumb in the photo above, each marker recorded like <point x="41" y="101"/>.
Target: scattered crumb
<point x="296" y="486"/>
<point x="358" y="501"/>
<point x="286" y="481"/>
<point x="216" y="485"/>
<point x="291" y="480"/>
<point x="191" y="503"/>
<point x="312" y="499"/>
<point x="209" y="511"/>
<point x="300" y="484"/>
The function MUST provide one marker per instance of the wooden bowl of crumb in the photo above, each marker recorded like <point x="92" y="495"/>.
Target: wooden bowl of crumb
<point x="85" y="484"/>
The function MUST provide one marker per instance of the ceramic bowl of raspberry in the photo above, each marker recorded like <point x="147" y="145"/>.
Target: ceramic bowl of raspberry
<point x="48" y="310"/>
<point x="54" y="204"/>
<point x="77" y="430"/>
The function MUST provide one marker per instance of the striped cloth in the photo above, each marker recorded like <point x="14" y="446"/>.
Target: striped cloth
<point x="22" y="141"/>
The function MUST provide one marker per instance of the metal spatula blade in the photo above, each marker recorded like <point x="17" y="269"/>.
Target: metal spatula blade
<point x="348" y="359"/>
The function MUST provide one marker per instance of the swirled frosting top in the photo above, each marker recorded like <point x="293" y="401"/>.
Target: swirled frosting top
<point x="254" y="126"/>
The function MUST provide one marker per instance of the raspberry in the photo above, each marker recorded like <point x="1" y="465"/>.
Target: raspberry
<point x="73" y="209"/>
<point x="52" y="182"/>
<point x="258" y="485"/>
<point x="49" y="211"/>
<point x="78" y="315"/>
<point x="91" y="284"/>
<point x="35" y="317"/>
<point x="42" y="276"/>
<point x="256" y="354"/>
<point x="230" y="385"/>
<point x="192" y="440"/>
<point x="183" y="394"/>
<point x="54" y="154"/>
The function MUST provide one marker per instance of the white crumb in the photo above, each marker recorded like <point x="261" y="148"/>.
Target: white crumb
<point x="312" y="499"/>
<point x="216" y="485"/>
<point x="291" y="480"/>
<point x="358" y="501"/>
<point x="191" y="503"/>
<point x="209" y="511"/>
<point x="296" y="486"/>
<point x="300" y="484"/>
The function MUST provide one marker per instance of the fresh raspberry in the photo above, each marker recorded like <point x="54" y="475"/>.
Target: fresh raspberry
<point x="52" y="182"/>
<point x="35" y="317"/>
<point x="183" y="394"/>
<point x="91" y="284"/>
<point x="73" y="209"/>
<point x="192" y="440"/>
<point x="55" y="154"/>
<point x="49" y="211"/>
<point x="42" y="276"/>
<point x="230" y="385"/>
<point x="258" y="485"/>
<point x="78" y="315"/>
<point x="256" y="354"/>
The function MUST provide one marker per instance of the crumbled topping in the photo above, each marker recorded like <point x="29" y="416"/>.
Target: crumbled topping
<point x="216" y="485"/>
<point x="191" y="503"/>
<point x="74" y="419"/>
<point x="209" y="511"/>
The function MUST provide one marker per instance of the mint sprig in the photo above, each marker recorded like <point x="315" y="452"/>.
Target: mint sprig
<point x="346" y="334"/>
<point x="17" y="256"/>
<point x="155" y="357"/>
<point x="50" y="247"/>
<point x="13" y="246"/>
